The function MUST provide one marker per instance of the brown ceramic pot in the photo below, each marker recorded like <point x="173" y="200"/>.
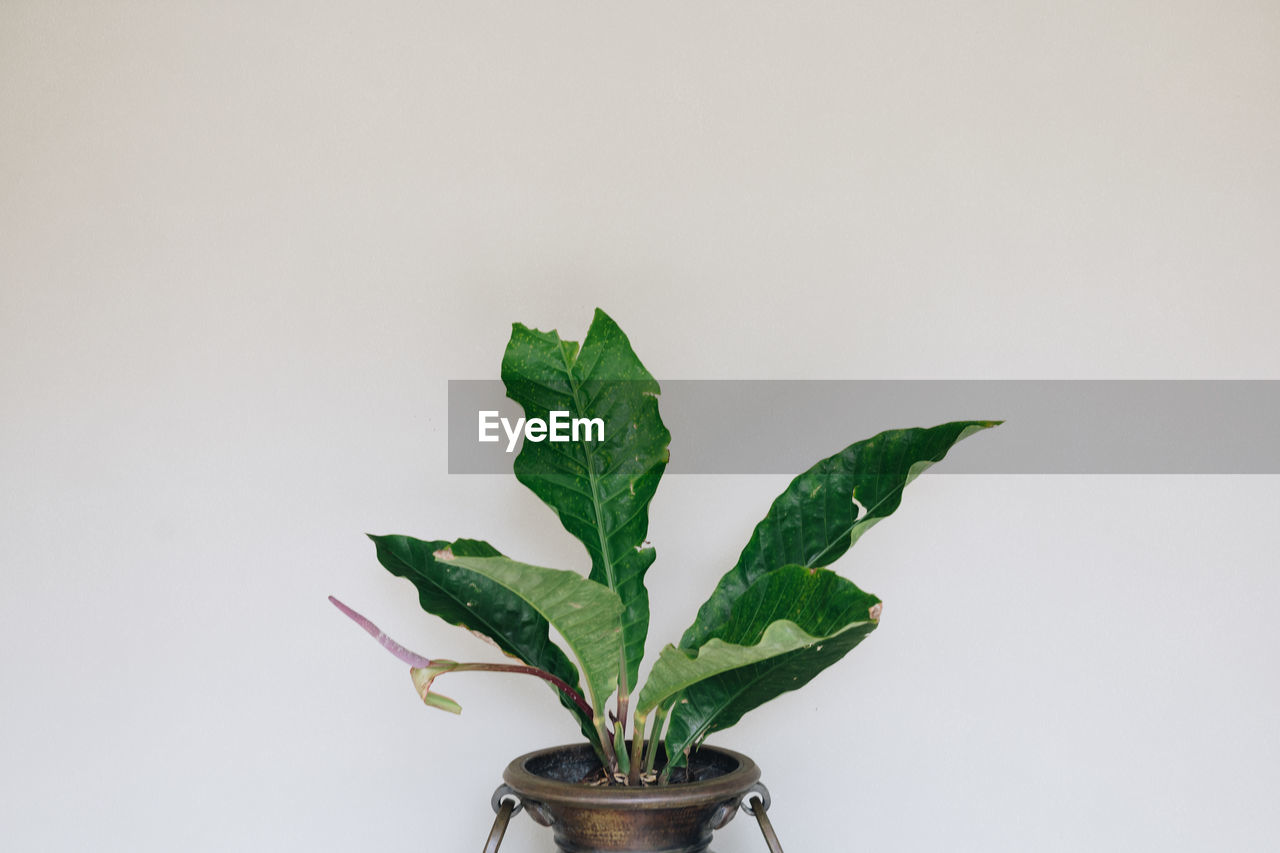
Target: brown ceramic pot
<point x="676" y="818"/>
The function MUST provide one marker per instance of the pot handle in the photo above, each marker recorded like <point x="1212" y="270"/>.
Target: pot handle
<point x="756" y="803"/>
<point x="505" y="803"/>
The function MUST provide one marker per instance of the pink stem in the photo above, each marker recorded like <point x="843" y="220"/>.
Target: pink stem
<point x="416" y="660"/>
<point x="411" y="658"/>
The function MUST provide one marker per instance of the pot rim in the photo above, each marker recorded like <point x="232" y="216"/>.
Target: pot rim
<point x="733" y="784"/>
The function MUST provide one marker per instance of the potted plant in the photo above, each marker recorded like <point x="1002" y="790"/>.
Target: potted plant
<point x="642" y="779"/>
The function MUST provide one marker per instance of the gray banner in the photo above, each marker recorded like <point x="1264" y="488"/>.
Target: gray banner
<point x="1051" y="426"/>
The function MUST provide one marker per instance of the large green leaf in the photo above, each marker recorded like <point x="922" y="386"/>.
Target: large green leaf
<point x="815" y="520"/>
<point x="469" y="583"/>
<point x="808" y="618"/>
<point x="678" y="669"/>
<point x="599" y="489"/>
<point x="586" y="614"/>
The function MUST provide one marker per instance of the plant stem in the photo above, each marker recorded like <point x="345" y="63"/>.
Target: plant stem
<point x="530" y="670"/>
<point x="671" y="765"/>
<point x="655" y="739"/>
<point x="606" y="743"/>
<point x="620" y="747"/>
<point x="624" y="701"/>
<point x="637" y="748"/>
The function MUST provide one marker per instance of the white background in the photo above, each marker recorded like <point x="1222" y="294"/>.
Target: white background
<point x="243" y="246"/>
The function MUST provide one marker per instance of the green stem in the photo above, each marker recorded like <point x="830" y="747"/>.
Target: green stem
<point x="620" y="747"/>
<point x="637" y="748"/>
<point x="606" y="744"/>
<point x="655" y="739"/>
<point x="624" y="701"/>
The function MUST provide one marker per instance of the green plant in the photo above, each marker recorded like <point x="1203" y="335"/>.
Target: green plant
<point x="774" y="621"/>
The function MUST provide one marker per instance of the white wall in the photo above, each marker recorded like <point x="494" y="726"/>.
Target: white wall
<point x="243" y="247"/>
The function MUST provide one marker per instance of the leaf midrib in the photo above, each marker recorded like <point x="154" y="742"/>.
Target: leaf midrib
<point x="605" y="556"/>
